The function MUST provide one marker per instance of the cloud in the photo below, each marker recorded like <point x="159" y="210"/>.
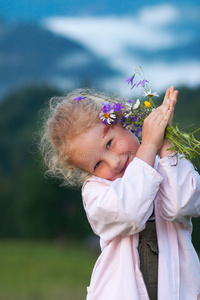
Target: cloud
<point x="159" y="15"/>
<point x="109" y="35"/>
<point x="125" y="40"/>
<point x="106" y="35"/>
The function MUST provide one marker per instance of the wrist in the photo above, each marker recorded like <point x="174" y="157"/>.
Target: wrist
<point x="147" y="153"/>
<point x="164" y="150"/>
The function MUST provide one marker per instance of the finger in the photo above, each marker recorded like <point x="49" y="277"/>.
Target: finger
<point x="173" y="100"/>
<point x="175" y="96"/>
<point x="172" y="105"/>
<point x="171" y="92"/>
<point x="167" y="95"/>
<point x="166" y="117"/>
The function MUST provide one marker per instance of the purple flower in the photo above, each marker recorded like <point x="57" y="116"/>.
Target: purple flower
<point x="138" y="130"/>
<point x="134" y="119"/>
<point x="115" y="120"/>
<point x="107" y="114"/>
<point x="130" y="101"/>
<point x="79" y="98"/>
<point x="142" y="82"/>
<point x="123" y="120"/>
<point x="105" y="122"/>
<point x="130" y="79"/>
<point x="118" y="107"/>
<point x="106" y="107"/>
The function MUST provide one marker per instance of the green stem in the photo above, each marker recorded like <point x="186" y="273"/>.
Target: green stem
<point x="152" y="103"/>
<point x="182" y="142"/>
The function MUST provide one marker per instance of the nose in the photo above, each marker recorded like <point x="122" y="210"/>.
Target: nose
<point x="113" y="160"/>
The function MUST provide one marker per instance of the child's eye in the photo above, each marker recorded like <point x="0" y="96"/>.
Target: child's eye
<point x="96" y="166"/>
<point x="108" y="144"/>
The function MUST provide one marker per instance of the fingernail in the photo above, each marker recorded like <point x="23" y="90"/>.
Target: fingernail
<point x="168" y="100"/>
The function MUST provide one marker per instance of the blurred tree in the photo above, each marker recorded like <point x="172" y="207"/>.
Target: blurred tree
<point x="30" y="206"/>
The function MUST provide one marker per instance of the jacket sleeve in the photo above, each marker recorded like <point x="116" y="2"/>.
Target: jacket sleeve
<point x="179" y="194"/>
<point x="123" y="206"/>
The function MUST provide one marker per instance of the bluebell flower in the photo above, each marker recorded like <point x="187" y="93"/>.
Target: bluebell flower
<point x="106" y="107"/>
<point x="79" y="98"/>
<point x="130" y="79"/>
<point x="142" y="82"/>
<point x="130" y="101"/>
<point x="118" y="107"/>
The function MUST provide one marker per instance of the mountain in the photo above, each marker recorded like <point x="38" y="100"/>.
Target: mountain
<point x="29" y="53"/>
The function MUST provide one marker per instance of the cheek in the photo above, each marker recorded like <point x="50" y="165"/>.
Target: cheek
<point x="121" y="145"/>
<point x="133" y="148"/>
<point x="128" y="143"/>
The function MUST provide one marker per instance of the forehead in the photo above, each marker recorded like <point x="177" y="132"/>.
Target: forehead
<point x="87" y="138"/>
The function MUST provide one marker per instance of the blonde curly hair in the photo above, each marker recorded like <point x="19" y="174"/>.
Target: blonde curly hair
<point x="65" y="119"/>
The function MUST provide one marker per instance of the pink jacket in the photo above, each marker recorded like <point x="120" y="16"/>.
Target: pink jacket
<point x="118" y="210"/>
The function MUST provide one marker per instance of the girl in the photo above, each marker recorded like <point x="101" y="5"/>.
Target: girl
<point x="140" y="204"/>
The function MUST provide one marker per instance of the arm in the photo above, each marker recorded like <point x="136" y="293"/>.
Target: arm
<point x="121" y="207"/>
<point x="179" y="192"/>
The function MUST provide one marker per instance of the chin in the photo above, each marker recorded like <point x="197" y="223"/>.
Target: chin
<point x="120" y="175"/>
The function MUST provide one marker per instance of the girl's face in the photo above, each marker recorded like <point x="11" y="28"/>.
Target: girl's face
<point x="106" y="156"/>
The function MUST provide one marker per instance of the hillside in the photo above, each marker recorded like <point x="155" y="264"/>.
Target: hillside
<point x="29" y="53"/>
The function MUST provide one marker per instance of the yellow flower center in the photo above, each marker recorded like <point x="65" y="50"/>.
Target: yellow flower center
<point x="106" y="115"/>
<point x="147" y="104"/>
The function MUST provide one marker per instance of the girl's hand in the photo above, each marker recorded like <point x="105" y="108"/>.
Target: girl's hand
<point x="153" y="132"/>
<point x="154" y="129"/>
<point x="155" y="124"/>
<point x="171" y="97"/>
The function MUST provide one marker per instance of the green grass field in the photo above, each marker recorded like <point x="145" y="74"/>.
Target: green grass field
<point x="44" y="271"/>
<point x="41" y="271"/>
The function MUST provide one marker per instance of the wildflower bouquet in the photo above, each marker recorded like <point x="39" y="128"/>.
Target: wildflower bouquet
<point x="133" y="113"/>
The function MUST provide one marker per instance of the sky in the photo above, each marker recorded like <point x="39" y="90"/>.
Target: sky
<point x="128" y="41"/>
<point x="37" y="9"/>
<point x="126" y="34"/>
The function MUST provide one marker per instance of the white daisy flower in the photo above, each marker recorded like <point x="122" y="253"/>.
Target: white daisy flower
<point x="130" y="106"/>
<point x="150" y="94"/>
<point x="137" y="104"/>
<point x="128" y="113"/>
<point x="108" y="118"/>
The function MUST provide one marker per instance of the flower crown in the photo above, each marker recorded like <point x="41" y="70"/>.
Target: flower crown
<point x="132" y="113"/>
